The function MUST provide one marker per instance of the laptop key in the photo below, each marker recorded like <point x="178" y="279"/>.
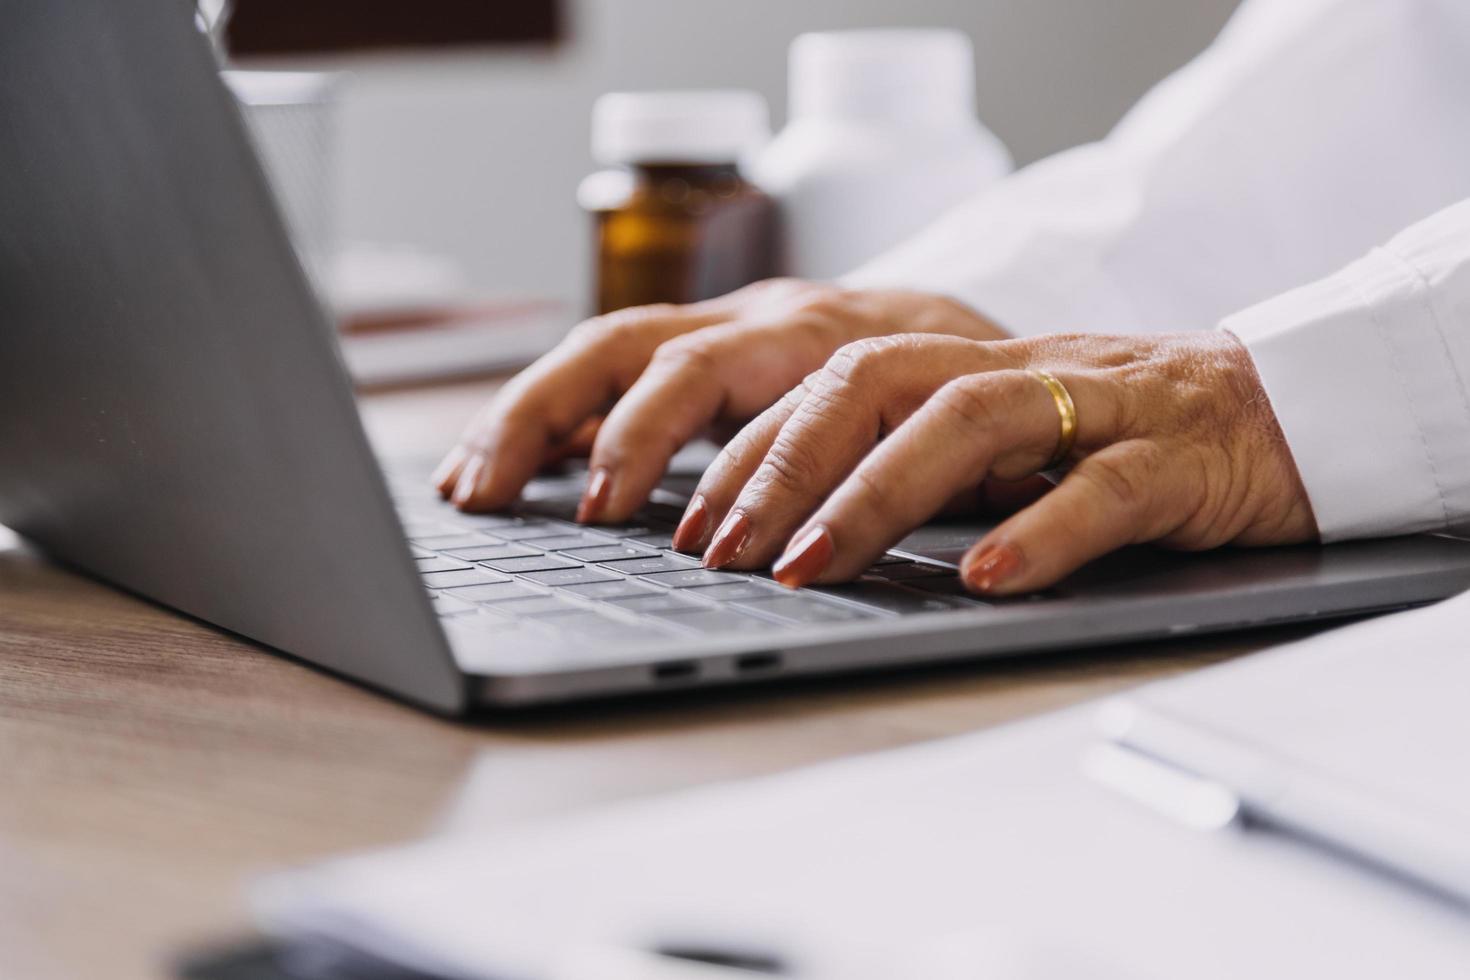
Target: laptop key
<point x="608" y="552"/>
<point x="445" y="542"/>
<point x="610" y="590"/>
<point x="949" y="585"/>
<point x="712" y="620"/>
<point x="903" y="571"/>
<point x="566" y="542"/>
<point x="628" y="530"/>
<point x="561" y="508"/>
<point x="537" y="605"/>
<point x="446" y="605"/>
<point x="647" y="566"/>
<point x="731" y="591"/>
<point x="482" y="625"/>
<point x="493" y="552"/>
<point x="577" y="575"/>
<point x="437" y="564"/>
<point x="533" y="563"/>
<point x="488" y="521"/>
<point x="889" y="598"/>
<point x="802" y="609"/>
<point x="686" y="578"/>
<point x="596" y="636"/>
<point x="536" y="529"/>
<point x="586" y="621"/>
<point x="492" y="592"/>
<point x="655" y="540"/>
<point x="655" y="602"/>
<point x="468" y="576"/>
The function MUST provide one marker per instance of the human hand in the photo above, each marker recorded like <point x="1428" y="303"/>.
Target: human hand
<point x="632" y="387"/>
<point x="1175" y="443"/>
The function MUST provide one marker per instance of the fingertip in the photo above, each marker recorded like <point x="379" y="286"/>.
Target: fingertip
<point x="594" y="499"/>
<point x="991" y="568"/>
<point x="619" y="485"/>
<point x="629" y="491"/>
<point x="805" y="559"/>
<point x="729" y="541"/>
<point x="466" y="487"/>
<point x="693" y="529"/>
<point x="446" y="474"/>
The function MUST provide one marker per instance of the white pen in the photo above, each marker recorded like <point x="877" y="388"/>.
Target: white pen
<point x="1214" y="780"/>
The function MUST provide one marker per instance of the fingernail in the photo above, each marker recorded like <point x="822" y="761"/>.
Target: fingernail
<point x="991" y="567"/>
<point x="729" y="540"/>
<point x="468" y="481"/>
<point x="805" y="559"/>
<point x="690" y="533"/>
<point x="595" y="497"/>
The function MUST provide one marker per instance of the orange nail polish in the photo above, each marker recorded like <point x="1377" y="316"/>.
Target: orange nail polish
<point x="595" y="496"/>
<point x="729" y="540"/>
<point x="805" y="559"/>
<point x="991" y="567"/>
<point x="692" y="527"/>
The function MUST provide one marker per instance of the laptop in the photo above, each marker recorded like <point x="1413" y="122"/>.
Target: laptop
<point x="175" y="419"/>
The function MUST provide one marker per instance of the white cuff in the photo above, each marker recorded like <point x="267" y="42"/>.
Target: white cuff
<point x="1366" y="391"/>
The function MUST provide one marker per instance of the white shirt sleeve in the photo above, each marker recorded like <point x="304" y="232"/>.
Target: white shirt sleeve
<point x="1308" y="132"/>
<point x="1367" y="372"/>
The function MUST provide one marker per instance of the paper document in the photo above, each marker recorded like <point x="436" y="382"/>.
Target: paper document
<point x="990" y="855"/>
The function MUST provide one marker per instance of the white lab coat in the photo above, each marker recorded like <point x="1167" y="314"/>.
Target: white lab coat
<point x="1308" y="133"/>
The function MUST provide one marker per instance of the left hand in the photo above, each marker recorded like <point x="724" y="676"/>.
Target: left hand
<point x="1176" y="444"/>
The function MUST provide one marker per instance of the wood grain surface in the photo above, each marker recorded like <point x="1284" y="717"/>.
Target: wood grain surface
<point x="152" y="764"/>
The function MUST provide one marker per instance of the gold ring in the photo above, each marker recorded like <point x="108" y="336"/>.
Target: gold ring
<point x="1068" y="413"/>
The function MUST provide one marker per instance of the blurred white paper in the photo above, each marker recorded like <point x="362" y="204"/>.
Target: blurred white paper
<point x="991" y="850"/>
<point x="1383" y="705"/>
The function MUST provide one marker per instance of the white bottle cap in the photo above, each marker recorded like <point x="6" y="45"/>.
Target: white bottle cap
<point x="907" y="74"/>
<point x="717" y="126"/>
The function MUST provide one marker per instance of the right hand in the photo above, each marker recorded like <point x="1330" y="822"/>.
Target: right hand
<point x="630" y="388"/>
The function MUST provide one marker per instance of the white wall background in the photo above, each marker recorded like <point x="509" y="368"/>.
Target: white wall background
<point x="478" y="155"/>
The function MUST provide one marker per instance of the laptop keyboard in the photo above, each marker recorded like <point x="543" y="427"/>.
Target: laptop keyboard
<point x="535" y="571"/>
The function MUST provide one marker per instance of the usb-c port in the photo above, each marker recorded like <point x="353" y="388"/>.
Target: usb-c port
<point x="675" y="670"/>
<point x="753" y="662"/>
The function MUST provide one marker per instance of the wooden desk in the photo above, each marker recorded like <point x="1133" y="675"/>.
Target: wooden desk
<point x="151" y="764"/>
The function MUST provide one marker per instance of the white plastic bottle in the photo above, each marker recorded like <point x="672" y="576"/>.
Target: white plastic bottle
<point x="882" y="138"/>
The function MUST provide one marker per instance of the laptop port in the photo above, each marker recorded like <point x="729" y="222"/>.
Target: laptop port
<point x="753" y="662"/>
<point x="675" y="670"/>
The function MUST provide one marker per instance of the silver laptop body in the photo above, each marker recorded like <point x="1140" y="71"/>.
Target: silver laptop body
<point x="175" y="419"/>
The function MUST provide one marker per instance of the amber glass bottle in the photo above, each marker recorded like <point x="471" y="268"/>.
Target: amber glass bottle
<point x="675" y="221"/>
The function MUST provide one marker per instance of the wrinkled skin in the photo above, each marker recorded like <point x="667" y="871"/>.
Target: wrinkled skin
<point x="865" y="413"/>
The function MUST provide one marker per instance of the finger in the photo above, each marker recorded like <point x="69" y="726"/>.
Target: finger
<point x="515" y="434"/>
<point x="544" y="405"/>
<point x="1001" y="424"/>
<point x="1110" y="499"/>
<point x="866" y="390"/>
<point x="446" y="474"/>
<point x="735" y="369"/>
<point x="731" y="469"/>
